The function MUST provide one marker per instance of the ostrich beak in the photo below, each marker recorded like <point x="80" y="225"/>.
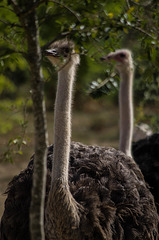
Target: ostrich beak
<point x="51" y="52"/>
<point x="108" y="57"/>
<point x="104" y="58"/>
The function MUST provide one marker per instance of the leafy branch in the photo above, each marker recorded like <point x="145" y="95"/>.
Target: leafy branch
<point x="15" y="145"/>
<point x="100" y="87"/>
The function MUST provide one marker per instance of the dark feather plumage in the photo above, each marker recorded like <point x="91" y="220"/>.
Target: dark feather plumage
<point x="146" y="154"/>
<point x="109" y="186"/>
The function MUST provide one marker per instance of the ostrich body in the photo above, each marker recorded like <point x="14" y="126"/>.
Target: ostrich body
<point x="92" y="193"/>
<point x="146" y="150"/>
<point x="146" y="155"/>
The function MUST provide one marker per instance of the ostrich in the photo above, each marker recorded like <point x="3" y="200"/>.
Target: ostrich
<point x="92" y="192"/>
<point x="146" y="155"/>
<point x="125" y="67"/>
<point x="146" y="150"/>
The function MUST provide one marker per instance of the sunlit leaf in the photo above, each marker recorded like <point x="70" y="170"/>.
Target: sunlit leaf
<point x="110" y="15"/>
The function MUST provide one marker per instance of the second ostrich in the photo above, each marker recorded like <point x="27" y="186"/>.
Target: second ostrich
<point x="125" y="67"/>
<point x="144" y="151"/>
<point x="92" y="193"/>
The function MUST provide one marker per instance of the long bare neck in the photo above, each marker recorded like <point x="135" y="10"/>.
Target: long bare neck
<point x="62" y="211"/>
<point x="62" y="123"/>
<point x="126" y="111"/>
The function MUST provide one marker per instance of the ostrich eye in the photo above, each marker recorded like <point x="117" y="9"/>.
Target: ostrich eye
<point x="66" y="50"/>
<point x="122" y="55"/>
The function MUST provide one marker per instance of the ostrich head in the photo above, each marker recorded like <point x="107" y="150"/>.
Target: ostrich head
<point x="62" y="54"/>
<point x="123" y="59"/>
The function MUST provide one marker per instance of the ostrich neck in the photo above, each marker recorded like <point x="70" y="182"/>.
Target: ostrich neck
<point x="126" y="111"/>
<point x="62" y="212"/>
<point x="62" y="124"/>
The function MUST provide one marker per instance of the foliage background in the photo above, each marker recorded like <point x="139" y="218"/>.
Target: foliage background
<point x="97" y="27"/>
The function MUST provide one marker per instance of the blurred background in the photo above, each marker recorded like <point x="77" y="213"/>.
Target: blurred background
<point x="97" y="28"/>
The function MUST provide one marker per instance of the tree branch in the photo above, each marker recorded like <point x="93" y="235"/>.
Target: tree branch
<point x="7" y="9"/>
<point x="10" y="24"/>
<point x="142" y="31"/>
<point x="69" y="9"/>
<point x="142" y="5"/>
<point x="128" y="4"/>
<point x="44" y="1"/>
<point x="16" y="8"/>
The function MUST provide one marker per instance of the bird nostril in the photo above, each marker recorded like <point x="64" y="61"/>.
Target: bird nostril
<point x="105" y="58"/>
<point x="102" y="58"/>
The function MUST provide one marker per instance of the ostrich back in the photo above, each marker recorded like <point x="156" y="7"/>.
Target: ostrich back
<point x="146" y="155"/>
<point x="110" y="187"/>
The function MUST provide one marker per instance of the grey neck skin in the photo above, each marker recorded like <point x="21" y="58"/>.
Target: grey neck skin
<point x="126" y="111"/>
<point x="62" y="123"/>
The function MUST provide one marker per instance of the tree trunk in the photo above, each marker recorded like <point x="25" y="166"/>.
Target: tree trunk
<point x="26" y="12"/>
